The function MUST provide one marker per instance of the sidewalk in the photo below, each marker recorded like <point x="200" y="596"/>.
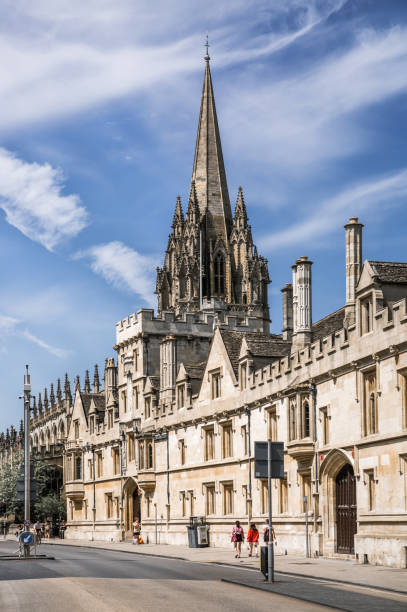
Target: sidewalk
<point x="337" y="570"/>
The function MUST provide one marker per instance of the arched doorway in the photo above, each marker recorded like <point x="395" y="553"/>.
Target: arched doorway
<point x="132" y="504"/>
<point x="346" y="525"/>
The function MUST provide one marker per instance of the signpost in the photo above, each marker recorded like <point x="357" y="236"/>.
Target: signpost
<point x="269" y="463"/>
<point x="27" y="471"/>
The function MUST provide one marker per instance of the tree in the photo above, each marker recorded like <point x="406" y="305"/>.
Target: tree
<point x="47" y="477"/>
<point x="9" y="473"/>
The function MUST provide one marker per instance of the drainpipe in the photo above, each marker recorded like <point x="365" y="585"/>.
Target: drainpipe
<point x="249" y="441"/>
<point x="94" y="488"/>
<point x="313" y="390"/>
<point x="168" y="470"/>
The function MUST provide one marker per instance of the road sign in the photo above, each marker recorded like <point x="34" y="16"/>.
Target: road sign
<point x="27" y="538"/>
<point x="277" y="460"/>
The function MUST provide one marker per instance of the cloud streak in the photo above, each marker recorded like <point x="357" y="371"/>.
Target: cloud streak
<point x="64" y="59"/>
<point x="10" y="326"/>
<point x="310" y="118"/>
<point x="32" y="199"/>
<point x="382" y="191"/>
<point x="123" y="268"/>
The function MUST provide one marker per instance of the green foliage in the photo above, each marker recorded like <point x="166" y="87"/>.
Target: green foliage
<point x="8" y="482"/>
<point x="47" y="504"/>
<point x="50" y="506"/>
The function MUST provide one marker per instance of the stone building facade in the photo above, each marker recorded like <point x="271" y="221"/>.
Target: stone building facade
<point x="171" y="434"/>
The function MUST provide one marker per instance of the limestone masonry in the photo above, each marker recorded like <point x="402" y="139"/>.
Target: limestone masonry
<point x="171" y="433"/>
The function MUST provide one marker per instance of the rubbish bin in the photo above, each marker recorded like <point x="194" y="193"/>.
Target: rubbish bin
<point x="202" y="535"/>
<point x="192" y="536"/>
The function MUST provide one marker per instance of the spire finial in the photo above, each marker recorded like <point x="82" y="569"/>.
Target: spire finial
<point x="207" y="45"/>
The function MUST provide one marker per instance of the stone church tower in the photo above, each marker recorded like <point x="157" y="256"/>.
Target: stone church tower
<point x="211" y="262"/>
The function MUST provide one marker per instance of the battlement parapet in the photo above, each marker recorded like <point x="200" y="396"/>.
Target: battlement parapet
<point x="199" y="324"/>
<point x="340" y="349"/>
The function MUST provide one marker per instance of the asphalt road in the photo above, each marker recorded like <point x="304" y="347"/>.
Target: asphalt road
<point x="88" y="579"/>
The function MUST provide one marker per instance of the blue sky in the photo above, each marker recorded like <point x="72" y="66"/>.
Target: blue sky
<point x="99" y="108"/>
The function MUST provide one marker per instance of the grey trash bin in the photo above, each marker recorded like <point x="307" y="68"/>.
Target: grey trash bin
<point x="192" y="536"/>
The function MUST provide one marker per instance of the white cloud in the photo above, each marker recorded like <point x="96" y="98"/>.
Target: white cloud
<point x="365" y="196"/>
<point x="62" y="353"/>
<point x="10" y="326"/>
<point x="123" y="268"/>
<point x="62" y="57"/>
<point x="31" y="196"/>
<point x="7" y="324"/>
<point x="310" y="117"/>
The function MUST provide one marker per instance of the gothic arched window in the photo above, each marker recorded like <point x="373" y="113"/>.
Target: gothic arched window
<point x="150" y="455"/>
<point x="292" y="419"/>
<point x="219" y="275"/>
<point x="306" y="426"/>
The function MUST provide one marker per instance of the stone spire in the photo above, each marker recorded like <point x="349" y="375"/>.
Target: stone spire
<point x="59" y="391"/>
<point x="96" y="382"/>
<point x="39" y="404"/>
<point x="77" y="384"/>
<point x="193" y="213"/>
<point x="208" y="172"/>
<point x="52" y="396"/>
<point x="45" y="399"/>
<point x="178" y="219"/>
<point x="34" y="406"/>
<point x="87" y="382"/>
<point x="67" y="389"/>
<point x="240" y="219"/>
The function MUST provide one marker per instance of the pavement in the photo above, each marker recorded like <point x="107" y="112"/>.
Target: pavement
<point x="326" y="584"/>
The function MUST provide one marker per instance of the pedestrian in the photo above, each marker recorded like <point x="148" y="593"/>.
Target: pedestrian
<point x="62" y="530"/>
<point x="136" y="531"/>
<point x="37" y="531"/>
<point x="253" y="539"/>
<point x="266" y="533"/>
<point x="237" y="539"/>
<point x="47" y="530"/>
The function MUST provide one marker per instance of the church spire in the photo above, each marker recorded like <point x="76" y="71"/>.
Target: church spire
<point x="208" y="171"/>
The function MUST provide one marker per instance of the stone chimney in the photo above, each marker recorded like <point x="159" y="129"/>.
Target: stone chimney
<point x="302" y="302"/>
<point x="287" y="292"/>
<point x="353" y="266"/>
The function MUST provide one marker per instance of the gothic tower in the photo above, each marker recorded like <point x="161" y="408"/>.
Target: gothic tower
<point x="211" y="262"/>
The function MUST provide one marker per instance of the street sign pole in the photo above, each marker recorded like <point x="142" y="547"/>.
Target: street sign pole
<point x="270" y="544"/>
<point x="27" y="474"/>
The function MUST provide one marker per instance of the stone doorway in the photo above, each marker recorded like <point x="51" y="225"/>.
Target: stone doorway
<point x="132" y="505"/>
<point x="346" y="525"/>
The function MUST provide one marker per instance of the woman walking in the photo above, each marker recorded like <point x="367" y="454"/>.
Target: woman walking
<point x="253" y="539"/>
<point x="136" y="531"/>
<point x="237" y="539"/>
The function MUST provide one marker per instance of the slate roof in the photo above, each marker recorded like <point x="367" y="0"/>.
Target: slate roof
<point x="98" y="398"/>
<point x="267" y="345"/>
<point x="232" y="341"/>
<point x="259" y="345"/>
<point x="329" y="324"/>
<point x="390" y="271"/>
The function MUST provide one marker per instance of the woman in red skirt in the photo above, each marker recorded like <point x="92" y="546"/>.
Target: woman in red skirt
<point x="253" y="539"/>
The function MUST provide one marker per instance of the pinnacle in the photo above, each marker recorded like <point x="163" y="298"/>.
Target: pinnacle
<point x="87" y="382"/>
<point x="59" y="392"/>
<point x="52" y="395"/>
<point x="178" y="214"/>
<point x="240" y="208"/>
<point x="96" y="382"/>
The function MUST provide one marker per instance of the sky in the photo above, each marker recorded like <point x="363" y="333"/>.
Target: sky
<point x="99" y="109"/>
